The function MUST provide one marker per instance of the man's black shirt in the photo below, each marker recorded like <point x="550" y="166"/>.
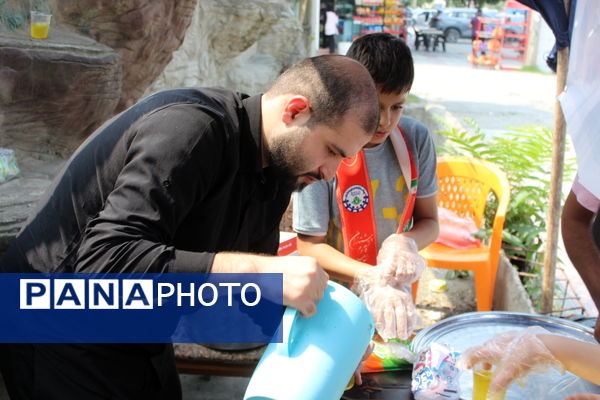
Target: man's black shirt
<point x="161" y="187"/>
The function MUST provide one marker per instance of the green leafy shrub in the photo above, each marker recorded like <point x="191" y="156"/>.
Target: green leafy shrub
<point x="525" y="155"/>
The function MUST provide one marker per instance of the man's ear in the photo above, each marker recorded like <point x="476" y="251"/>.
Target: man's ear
<point x="296" y="110"/>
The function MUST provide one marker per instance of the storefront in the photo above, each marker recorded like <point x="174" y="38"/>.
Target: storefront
<point x="361" y="17"/>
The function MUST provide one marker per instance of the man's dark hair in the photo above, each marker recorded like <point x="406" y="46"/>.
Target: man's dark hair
<point x="333" y="85"/>
<point x="388" y="60"/>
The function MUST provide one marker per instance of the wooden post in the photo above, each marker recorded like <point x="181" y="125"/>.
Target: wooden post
<point x="556" y="180"/>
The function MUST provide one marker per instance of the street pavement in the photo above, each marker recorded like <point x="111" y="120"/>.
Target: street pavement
<point x="495" y="99"/>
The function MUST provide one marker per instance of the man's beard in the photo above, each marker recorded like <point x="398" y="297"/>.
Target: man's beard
<point x="285" y="160"/>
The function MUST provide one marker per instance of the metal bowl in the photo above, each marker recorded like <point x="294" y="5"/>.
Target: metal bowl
<point x="471" y="329"/>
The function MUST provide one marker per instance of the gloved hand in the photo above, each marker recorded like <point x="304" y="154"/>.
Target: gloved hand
<point x="515" y="355"/>
<point x="399" y="262"/>
<point x="392" y="310"/>
<point x="385" y="288"/>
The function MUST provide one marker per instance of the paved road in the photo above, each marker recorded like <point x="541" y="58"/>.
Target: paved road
<point x="495" y="99"/>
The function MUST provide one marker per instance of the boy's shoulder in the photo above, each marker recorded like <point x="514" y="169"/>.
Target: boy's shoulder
<point x="413" y="127"/>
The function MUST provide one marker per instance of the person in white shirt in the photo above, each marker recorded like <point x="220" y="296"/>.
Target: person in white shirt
<point x="331" y="28"/>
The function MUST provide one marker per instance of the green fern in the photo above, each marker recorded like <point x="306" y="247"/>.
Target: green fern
<point x="525" y="155"/>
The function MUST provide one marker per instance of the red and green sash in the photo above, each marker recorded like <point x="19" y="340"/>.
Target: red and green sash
<point x="355" y="200"/>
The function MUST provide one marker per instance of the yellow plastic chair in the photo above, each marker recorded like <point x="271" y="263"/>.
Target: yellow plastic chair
<point x="464" y="185"/>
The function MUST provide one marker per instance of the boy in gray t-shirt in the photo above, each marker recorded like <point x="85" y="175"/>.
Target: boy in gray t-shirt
<point x="316" y="211"/>
<point x="317" y="208"/>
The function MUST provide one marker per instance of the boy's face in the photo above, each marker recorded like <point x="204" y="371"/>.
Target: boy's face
<point x="390" y="106"/>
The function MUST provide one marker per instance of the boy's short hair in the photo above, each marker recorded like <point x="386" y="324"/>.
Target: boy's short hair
<point x="388" y="60"/>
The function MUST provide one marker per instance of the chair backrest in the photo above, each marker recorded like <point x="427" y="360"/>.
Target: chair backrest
<point x="465" y="183"/>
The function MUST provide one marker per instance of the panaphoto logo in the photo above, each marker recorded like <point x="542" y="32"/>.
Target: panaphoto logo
<point x="136" y="294"/>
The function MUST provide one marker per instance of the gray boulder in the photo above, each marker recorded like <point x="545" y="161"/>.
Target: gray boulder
<point x="240" y="45"/>
<point x="54" y="92"/>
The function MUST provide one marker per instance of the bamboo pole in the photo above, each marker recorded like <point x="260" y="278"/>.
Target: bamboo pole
<point x="556" y="180"/>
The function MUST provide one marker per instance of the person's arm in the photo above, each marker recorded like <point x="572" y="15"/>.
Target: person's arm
<point x="425" y="214"/>
<point x="424" y="231"/>
<point x="336" y="263"/>
<point x="168" y="168"/>
<point x="576" y="222"/>
<point x="426" y="227"/>
<point x="517" y="354"/>
<point x="312" y="214"/>
<point x="581" y="358"/>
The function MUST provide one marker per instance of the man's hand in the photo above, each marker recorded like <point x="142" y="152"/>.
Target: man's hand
<point x="304" y="283"/>
<point x="597" y="330"/>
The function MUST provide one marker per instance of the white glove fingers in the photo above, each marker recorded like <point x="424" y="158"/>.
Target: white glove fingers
<point x="390" y="321"/>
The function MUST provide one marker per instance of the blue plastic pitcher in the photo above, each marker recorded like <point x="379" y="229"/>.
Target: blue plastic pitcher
<point x="318" y="355"/>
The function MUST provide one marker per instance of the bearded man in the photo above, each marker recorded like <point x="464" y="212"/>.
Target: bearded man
<point x="187" y="180"/>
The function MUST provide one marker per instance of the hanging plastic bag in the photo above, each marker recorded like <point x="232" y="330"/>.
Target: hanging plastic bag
<point x="455" y="231"/>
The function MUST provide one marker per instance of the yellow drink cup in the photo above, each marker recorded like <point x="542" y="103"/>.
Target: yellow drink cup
<point x="40" y="25"/>
<point x="39" y="31"/>
<point x="481" y="384"/>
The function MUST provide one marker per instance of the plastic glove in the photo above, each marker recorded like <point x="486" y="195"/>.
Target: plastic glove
<point x="515" y="355"/>
<point x="398" y="265"/>
<point x="399" y="262"/>
<point x="392" y="310"/>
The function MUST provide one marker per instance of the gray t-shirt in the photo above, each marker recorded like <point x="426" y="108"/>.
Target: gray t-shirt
<point x="316" y="212"/>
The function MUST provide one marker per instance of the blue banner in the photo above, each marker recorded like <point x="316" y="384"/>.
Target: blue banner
<point x="140" y="308"/>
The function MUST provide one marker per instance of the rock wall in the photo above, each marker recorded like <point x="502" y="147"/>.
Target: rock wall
<point x="98" y="59"/>
<point x="102" y="55"/>
<point x="144" y="33"/>
<point x="240" y="45"/>
<point x="54" y="92"/>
